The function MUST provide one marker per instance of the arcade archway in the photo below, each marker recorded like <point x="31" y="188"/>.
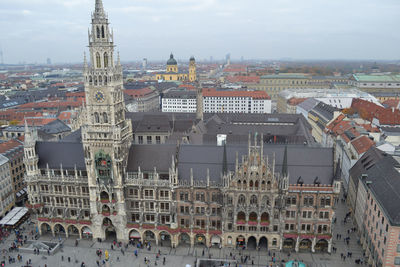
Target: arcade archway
<point x="200" y="240"/>
<point x="184" y="239"/>
<point x="322" y="245"/>
<point x="73" y="231"/>
<point x="87" y="233"/>
<point x="165" y="239"/>
<point x="59" y="230"/>
<point x="305" y="245"/>
<point x="45" y="229"/>
<point x="263" y="243"/>
<point x="252" y="243"/>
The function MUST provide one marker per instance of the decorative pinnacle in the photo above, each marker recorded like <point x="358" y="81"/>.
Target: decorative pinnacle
<point x="99" y="7"/>
<point x="84" y="60"/>
<point x="119" y="60"/>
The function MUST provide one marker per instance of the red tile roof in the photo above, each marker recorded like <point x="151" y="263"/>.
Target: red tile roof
<point x="209" y="92"/>
<point x="295" y="101"/>
<point x="243" y="79"/>
<point x="368" y="110"/>
<point x="10" y="144"/>
<point x="370" y="128"/>
<point x="75" y="94"/>
<point x="16" y="115"/>
<point x="391" y="103"/>
<point x="189" y="87"/>
<point x="38" y="121"/>
<point x="51" y="104"/>
<point x="362" y="144"/>
<point x="235" y="68"/>
<point x="137" y="93"/>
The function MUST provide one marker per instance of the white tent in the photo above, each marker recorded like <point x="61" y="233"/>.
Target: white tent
<point x="14" y="216"/>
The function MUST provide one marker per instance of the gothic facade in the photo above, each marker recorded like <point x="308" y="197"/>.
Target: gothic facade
<point x="105" y="186"/>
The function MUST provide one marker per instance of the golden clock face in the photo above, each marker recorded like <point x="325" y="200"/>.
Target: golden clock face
<point x="99" y="96"/>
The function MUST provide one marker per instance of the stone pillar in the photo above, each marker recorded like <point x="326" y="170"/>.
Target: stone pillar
<point x="314" y="241"/>
<point x="40" y="228"/>
<point x="330" y="246"/>
<point x="297" y="245"/>
<point x="191" y="240"/>
<point x="80" y="234"/>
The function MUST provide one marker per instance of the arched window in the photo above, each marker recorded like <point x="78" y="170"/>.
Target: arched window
<point x="242" y="199"/>
<point x="253" y="200"/>
<point x="102" y="31"/>
<point x="256" y="185"/>
<point x="98" y="60"/>
<point x="98" y="32"/>
<point x="105" y="80"/>
<point x="251" y="185"/>
<point x="105" y="118"/>
<point x="90" y="79"/>
<point x="105" y="60"/>
<point x="100" y="79"/>
<point x="96" y="117"/>
<point x="95" y="80"/>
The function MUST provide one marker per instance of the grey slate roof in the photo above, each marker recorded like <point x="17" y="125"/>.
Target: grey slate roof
<point x="308" y="104"/>
<point x="382" y="179"/>
<point x="74" y="137"/>
<point x="56" y="154"/>
<point x="302" y="161"/>
<point x="180" y="94"/>
<point x="55" y="127"/>
<point x="149" y="157"/>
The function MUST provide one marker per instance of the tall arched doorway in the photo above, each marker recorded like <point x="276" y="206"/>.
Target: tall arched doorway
<point x="321" y="245"/>
<point x="240" y="241"/>
<point x="149" y="236"/>
<point x="263" y="243"/>
<point x="73" y="231"/>
<point x="289" y="244"/>
<point x="134" y="235"/>
<point x="305" y="245"/>
<point x="45" y="229"/>
<point x="200" y="240"/>
<point x="252" y="243"/>
<point x="59" y="230"/>
<point x="109" y="230"/>
<point x="87" y="233"/>
<point x="216" y="241"/>
<point x="165" y="239"/>
<point x="184" y="239"/>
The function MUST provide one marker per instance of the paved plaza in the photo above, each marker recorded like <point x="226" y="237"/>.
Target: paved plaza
<point x="86" y="252"/>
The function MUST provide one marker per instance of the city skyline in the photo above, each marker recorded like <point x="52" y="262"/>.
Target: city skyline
<point x="313" y="30"/>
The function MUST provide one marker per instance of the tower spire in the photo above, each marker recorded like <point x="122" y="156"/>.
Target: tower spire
<point x="224" y="161"/>
<point x="284" y="164"/>
<point x="99" y="9"/>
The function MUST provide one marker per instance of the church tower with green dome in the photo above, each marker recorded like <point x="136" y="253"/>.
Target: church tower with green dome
<point x="172" y="65"/>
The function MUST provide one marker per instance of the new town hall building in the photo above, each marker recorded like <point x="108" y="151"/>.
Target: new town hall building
<point x="269" y="189"/>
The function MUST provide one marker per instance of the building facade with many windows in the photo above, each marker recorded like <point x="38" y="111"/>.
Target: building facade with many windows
<point x="254" y="194"/>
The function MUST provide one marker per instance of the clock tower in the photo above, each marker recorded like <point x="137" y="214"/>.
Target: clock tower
<point x="106" y="134"/>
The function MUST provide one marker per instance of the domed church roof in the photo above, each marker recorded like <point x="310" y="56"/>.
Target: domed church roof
<point x="171" y="60"/>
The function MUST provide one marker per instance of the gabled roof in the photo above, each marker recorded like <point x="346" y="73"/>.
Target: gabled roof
<point x="55" y="127"/>
<point x="148" y="157"/>
<point x="306" y="162"/>
<point x="57" y="154"/>
<point x="382" y="179"/>
<point x="362" y="144"/>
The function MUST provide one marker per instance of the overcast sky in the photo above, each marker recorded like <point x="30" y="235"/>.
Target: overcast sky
<point x="32" y="30"/>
